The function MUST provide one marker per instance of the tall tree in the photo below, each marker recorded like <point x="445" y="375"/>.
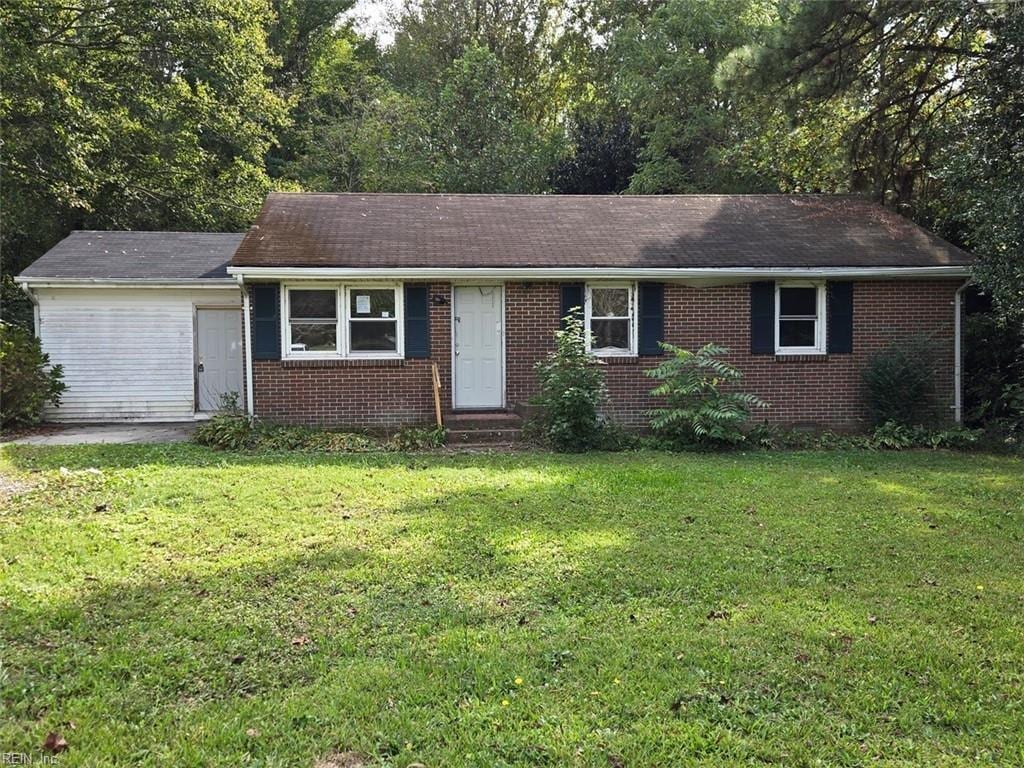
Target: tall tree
<point x="132" y="114"/>
<point x="984" y="177"/>
<point x="896" y="70"/>
<point x="484" y="143"/>
<point x="661" y="66"/>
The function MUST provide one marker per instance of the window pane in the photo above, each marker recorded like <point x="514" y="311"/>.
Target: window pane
<point x="609" y="302"/>
<point x="796" y="333"/>
<point x="371" y="302"/>
<point x="610" y="334"/>
<point x="312" y="304"/>
<point x="798" y="301"/>
<point x="374" y="336"/>
<point x="314" y="337"/>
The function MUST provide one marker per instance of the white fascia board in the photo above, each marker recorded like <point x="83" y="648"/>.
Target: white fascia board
<point x="80" y="282"/>
<point x="595" y="273"/>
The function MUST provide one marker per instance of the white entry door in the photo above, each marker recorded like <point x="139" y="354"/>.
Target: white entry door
<point x="218" y="356"/>
<point x="479" y="375"/>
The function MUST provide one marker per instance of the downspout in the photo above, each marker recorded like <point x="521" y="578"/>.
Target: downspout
<point x="957" y="352"/>
<point x="36" y="319"/>
<point x="249" y="409"/>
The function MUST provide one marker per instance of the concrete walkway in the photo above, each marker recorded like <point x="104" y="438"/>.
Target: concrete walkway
<point x="111" y="433"/>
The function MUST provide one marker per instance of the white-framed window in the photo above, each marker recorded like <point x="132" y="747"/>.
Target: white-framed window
<point x="610" y="316"/>
<point x="342" y="320"/>
<point x="372" y="321"/>
<point x="312" y="321"/>
<point x="799" y="318"/>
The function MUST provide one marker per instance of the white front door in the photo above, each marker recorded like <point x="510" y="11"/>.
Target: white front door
<point x="218" y="356"/>
<point x="479" y="375"/>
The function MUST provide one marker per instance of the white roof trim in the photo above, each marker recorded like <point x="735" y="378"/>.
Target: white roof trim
<point x="593" y="273"/>
<point x="122" y="282"/>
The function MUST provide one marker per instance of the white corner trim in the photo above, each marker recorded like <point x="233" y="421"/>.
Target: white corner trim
<point x="595" y="273"/>
<point x="247" y="335"/>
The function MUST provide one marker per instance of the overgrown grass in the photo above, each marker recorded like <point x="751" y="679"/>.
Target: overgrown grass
<point x="190" y="607"/>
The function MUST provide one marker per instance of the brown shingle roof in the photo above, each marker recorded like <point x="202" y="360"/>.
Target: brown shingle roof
<point x="700" y="231"/>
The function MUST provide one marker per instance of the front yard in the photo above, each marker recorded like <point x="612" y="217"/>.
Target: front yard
<point x="186" y="607"/>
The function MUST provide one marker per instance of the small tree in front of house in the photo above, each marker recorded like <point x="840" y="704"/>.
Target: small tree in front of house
<point x="572" y="390"/>
<point x="698" y="410"/>
<point x="27" y="380"/>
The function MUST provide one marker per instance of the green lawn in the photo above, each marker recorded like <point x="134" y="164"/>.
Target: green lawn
<point x="187" y="607"/>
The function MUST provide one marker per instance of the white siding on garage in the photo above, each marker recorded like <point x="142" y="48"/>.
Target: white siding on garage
<point x="127" y="352"/>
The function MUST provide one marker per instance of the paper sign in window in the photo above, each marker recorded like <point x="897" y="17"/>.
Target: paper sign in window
<point x="362" y="304"/>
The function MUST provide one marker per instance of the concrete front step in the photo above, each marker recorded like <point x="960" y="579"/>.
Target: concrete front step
<point x="486" y="420"/>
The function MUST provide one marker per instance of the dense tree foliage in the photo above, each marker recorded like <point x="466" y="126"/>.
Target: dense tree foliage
<point x="137" y="114"/>
<point x="133" y="113"/>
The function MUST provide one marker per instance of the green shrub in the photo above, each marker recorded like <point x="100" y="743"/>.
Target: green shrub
<point x="993" y="371"/>
<point x="899" y="382"/>
<point x="699" y="412"/>
<point x="572" y="391"/>
<point x="15" y="305"/>
<point x="418" y="438"/>
<point x="895" y="436"/>
<point x="226" y="431"/>
<point x="27" y="380"/>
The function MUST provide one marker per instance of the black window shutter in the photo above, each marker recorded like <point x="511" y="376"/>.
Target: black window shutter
<point x="840" y="318"/>
<point x="651" y="313"/>
<point x="417" y="321"/>
<point x="572" y="296"/>
<point x="266" y="321"/>
<point x="762" y="318"/>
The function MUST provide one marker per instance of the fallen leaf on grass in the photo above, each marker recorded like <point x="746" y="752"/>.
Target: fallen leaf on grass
<point x="300" y="641"/>
<point x="54" y="743"/>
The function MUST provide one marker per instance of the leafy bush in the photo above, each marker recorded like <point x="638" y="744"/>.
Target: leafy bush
<point x="899" y="382"/>
<point x="232" y="432"/>
<point x="27" y="380"/>
<point x="227" y="431"/>
<point x="572" y="391"/>
<point x="896" y="436"/>
<point x="993" y="372"/>
<point x="418" y="438"/>
<point x="15" y="305"/>
<point x="889" y="436"/>
<point x="699" y="411"/>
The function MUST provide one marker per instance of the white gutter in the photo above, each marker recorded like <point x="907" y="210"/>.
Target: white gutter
<point x="36" y="317"/>
<point x="593" y="273"/>
<point x="247" y="334"/>
<point x="957" y="356"/>
<point x="120" y="282"/>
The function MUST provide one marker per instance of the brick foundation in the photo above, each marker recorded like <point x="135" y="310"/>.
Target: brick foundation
<point x="808" y="390"/>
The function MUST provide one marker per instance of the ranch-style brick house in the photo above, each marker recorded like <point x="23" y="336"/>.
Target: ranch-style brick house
<point x="333" y="309"/>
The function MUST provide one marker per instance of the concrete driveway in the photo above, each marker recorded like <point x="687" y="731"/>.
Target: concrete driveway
<point x="110" y="433"/>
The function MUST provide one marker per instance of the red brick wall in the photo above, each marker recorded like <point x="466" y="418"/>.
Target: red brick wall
<point x="819" y="390"/>
<point x="359" y="393"/>
<point x="823" y="391"/>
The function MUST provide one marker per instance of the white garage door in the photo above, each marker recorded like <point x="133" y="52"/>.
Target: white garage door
<point x="128" y="354"/>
